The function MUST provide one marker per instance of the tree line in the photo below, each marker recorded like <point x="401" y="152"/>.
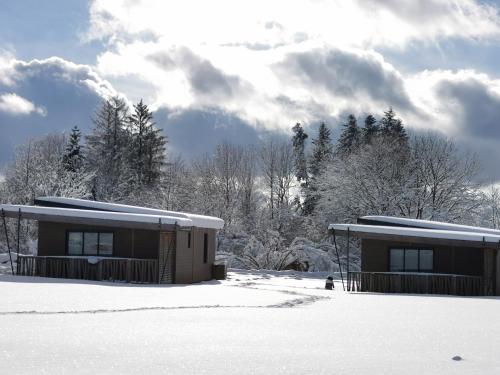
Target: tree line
<point x="276" y="197"/>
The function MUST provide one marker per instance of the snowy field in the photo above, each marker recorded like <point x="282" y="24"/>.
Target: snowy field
<point x="253" y="323"/>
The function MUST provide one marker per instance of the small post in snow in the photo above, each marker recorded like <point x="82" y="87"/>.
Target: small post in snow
<point x="7" y="240"/>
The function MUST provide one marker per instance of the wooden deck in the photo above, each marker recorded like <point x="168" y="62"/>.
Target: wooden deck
<point x="129" y="270"/>
<point x="389" y="282"/>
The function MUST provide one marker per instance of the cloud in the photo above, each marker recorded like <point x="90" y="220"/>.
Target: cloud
<point x="442" y="18"/>
<point x="476" y="103"/>
<point x="464" y="105"/>
<point x="66" y="94"/>
<point x="357" y="23"/>
<point x="193" y="133"/>
<point x="348" y="74"/>
<point x="204" y="78"/>
<point x="16" y="105"/>
<point x="59" y="70"/>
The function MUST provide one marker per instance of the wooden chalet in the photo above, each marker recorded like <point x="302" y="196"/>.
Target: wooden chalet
<point x="400" y="255"/>
<point x="82" y="239"/>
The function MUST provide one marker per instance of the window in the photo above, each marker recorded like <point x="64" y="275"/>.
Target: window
<point x="411" y="260"/>
<point x="75" y="243"/>
<point x="205" y="248"/>
<point x="189" y="240"/>
<point x="90" y="243"/>
<point x="397" y="260"/>
<point x="105" y="243"/>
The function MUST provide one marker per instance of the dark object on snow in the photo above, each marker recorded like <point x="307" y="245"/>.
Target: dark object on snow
<point x="219" y="271"/>
<point x="329" y="283"/>
<point x="457" y="358"/>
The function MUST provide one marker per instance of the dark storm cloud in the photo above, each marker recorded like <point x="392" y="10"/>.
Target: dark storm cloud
<point x="476" y="110"/>
<point x="66" y="91"/>
<point x="347" y="74"/>
<point x="205" y="79"/>
<point x="192" y="133"/>
<point x="479" y="107"/>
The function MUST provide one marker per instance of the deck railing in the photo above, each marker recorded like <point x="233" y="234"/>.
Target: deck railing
<point x="417" y="283"/>
<point x="101" y="269"/>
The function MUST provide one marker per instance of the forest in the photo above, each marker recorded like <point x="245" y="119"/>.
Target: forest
<point x="276" y="197"/>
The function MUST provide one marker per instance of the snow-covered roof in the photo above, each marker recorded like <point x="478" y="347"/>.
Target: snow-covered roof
<point x="406" y="222"/>
<point x="195" y="220"/>
<point x="79" y="216"/>
<point x="361" y="230"/>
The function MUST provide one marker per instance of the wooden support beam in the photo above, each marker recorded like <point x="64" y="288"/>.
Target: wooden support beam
<point x="7" y="240"/>
<point x="338" y="258"/>
<point x="18" y="231"/>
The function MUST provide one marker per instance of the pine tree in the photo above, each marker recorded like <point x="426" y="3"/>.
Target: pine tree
<point x="149" y="144"/>
<point x="322" y="151"/>
<point x="73" y="157"/>
<point x="349" y="138"/>
<point x="107" y="148"/>
<point x="392" y="127"/>
<point x="298" y="142"/>
<point x="370" y="130"/>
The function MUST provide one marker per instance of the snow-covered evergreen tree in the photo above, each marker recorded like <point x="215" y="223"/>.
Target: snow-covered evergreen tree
<point x="322" y="151"/>
<point x="349" y="138"/>
<point x="298" y="142"/>
<point x="107" y="150"/>
<point x="391" y="126"/>
<point x="73" y="156"/>
<point x="322" y="154"/>
<point x="370" y="129"/>
<point x="149" y="145"/>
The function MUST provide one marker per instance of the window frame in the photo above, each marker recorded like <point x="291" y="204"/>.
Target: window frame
<point x="99" y="232"/>
<point x="405" y="248"/>
<point x="205" y="248"/>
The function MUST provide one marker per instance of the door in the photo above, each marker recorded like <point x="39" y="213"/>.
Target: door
<point x="166" y="258"/>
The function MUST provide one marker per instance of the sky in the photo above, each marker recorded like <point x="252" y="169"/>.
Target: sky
<point x="245" y="70"/>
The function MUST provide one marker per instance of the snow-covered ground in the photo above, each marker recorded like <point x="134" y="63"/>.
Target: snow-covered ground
<point x="252" y="323"/>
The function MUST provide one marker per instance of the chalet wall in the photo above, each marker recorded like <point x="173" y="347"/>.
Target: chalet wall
<point x="203" y="271"/>
<point x="143" y="244"/>
<point x="184" y="258"/>
<point x="129" y="243"/>
<point x="453" y="260"/>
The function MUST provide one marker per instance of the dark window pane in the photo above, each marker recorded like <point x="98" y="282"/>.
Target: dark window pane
<point x="411" y="260"/>
<point x="396" y="260"/>
<point x="426" y="260"/>
<point x="105" y="243"/>
<point x="205" y="248"/>
<point x="75" y="242"/>
<point x="90" y="244"/>
<point x="189" y="240"/>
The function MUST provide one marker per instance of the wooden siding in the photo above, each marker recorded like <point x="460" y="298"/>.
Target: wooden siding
<point x="181" y="265"/>
<point x="128" y="243"/>
<point x="106" y="269"/>
<point x="166" y="258"/>
<point x="184" y="258"/>
<point x="381" y="282"/>
<point x="203" y="271"/>
<point x="450" y="260"/>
